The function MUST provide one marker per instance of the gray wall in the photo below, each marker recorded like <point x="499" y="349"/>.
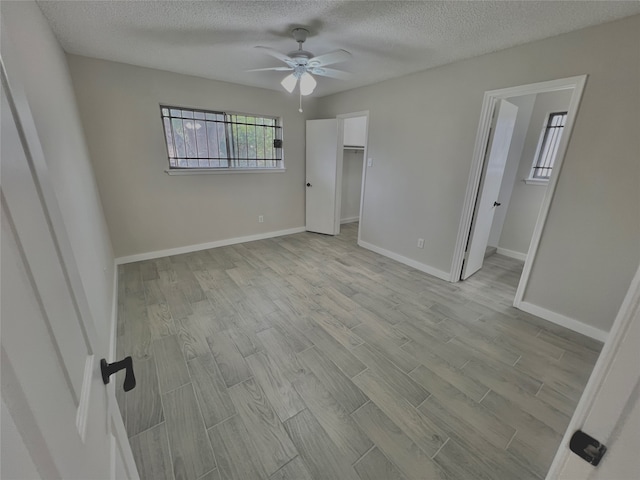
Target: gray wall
<point x="421" y="135"/>
<point x="526" y="199"/>
<point x="351" y="183"/>
<point x="148" y="210"/>
<point x="47" y="84"/>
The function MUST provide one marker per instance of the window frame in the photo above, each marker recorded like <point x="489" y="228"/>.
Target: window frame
<point x="170" y="170"/>
<point x="531" y="179"/>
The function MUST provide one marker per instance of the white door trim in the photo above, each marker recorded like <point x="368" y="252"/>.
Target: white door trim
<point x="491" y="97"/>
<point x="337" y="214"/>
<point x="341" y="117"/>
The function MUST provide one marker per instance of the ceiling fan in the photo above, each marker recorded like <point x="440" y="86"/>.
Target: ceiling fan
<point x="304" y="64"/>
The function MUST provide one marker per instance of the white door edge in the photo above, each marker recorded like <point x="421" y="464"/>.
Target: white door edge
<point x="503" y="122"/>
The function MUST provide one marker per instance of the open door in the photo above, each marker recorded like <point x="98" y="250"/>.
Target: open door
<point x="64" y="420"/>
<point x="486" y="202"/>
<point x="322" y="171"/>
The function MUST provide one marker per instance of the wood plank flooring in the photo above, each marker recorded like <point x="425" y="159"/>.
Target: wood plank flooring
<point x="306" y="357"/>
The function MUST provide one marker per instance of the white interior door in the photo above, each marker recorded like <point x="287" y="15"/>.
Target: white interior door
<point x="322" y="170"/>
<point x="609" y="410"/>
<point x="496" y="159"/>
<point x="64" y="420"/>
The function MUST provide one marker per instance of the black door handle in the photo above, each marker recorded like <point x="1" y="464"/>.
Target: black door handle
<point x="109" y="369"/>
<point x="496" y="204"/>
<point x="587" y="447"/>
<point x="309" y="185"/>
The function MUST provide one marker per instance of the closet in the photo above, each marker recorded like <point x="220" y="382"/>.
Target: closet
<point x="334" y="169"/>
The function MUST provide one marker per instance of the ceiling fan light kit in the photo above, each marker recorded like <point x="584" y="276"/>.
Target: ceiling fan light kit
<point x="303" y="64"/>
<point x="289" y="82"/>
<point x="307" y="84"/>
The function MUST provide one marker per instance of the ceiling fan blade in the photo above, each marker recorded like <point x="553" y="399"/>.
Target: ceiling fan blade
<point x="331" y="72"/>
<point x="276" y="69"/>
<point x="330" y="58"/>
<point x="276" y="54"/>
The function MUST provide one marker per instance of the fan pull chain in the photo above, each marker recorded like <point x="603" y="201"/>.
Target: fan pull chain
<point x="300" y="109"/>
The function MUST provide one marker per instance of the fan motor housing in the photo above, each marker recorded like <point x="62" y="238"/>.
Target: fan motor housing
<point x="301" y="56"/>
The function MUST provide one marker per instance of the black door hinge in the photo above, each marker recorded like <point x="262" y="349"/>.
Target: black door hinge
<point x="587" y="447"/>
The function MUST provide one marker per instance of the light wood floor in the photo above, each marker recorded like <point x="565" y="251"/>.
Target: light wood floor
<point x="307" y="357"/>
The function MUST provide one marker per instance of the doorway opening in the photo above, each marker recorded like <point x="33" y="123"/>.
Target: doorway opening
<point x="507" y="198"/>
<point x="352" y="172"/>
<point x="335" y="172"/>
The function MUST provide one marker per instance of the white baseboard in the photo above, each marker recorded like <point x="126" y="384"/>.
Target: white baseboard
<point x="423" y="267"/>
<point x="349" y="220"/>
<point x="512" y="253"/>
<point x="564" y="321"/>
<point x="204" y="246"/>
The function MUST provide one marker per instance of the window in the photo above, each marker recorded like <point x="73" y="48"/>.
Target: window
<point x="548" y="148"/>
<point x="221" y="141"/>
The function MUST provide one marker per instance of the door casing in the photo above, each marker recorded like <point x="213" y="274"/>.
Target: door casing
<point x="491" y="97"/>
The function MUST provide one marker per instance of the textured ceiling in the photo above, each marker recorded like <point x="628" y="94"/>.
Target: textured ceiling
<point x="215" y="39"/>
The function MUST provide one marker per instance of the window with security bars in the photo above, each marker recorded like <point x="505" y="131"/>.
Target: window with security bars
<point x="203" y="139"/>
<point x="548" y="149"/>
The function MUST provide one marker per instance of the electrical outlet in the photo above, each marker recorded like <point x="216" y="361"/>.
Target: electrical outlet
<point x="369" y="162"/>
<point x="260" y="218"/>
<point x="421" y="243"/>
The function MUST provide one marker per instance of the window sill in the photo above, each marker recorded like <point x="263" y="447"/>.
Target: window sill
<point x="535" y="181"/>
<point x="222" y="171"/>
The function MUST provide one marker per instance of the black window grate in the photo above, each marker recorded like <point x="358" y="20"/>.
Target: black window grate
<point x="208" y="139"/>
<point x="549" y="146"/>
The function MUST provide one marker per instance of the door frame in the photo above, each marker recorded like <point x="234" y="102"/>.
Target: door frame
<point x="491" y="97"/>
<point x="340" y="165"/>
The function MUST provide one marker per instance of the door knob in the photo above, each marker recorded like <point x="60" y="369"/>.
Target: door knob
<point x="309" y="185"/>
<point x="109" y="369"/>
<point x="496" y="204"/>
